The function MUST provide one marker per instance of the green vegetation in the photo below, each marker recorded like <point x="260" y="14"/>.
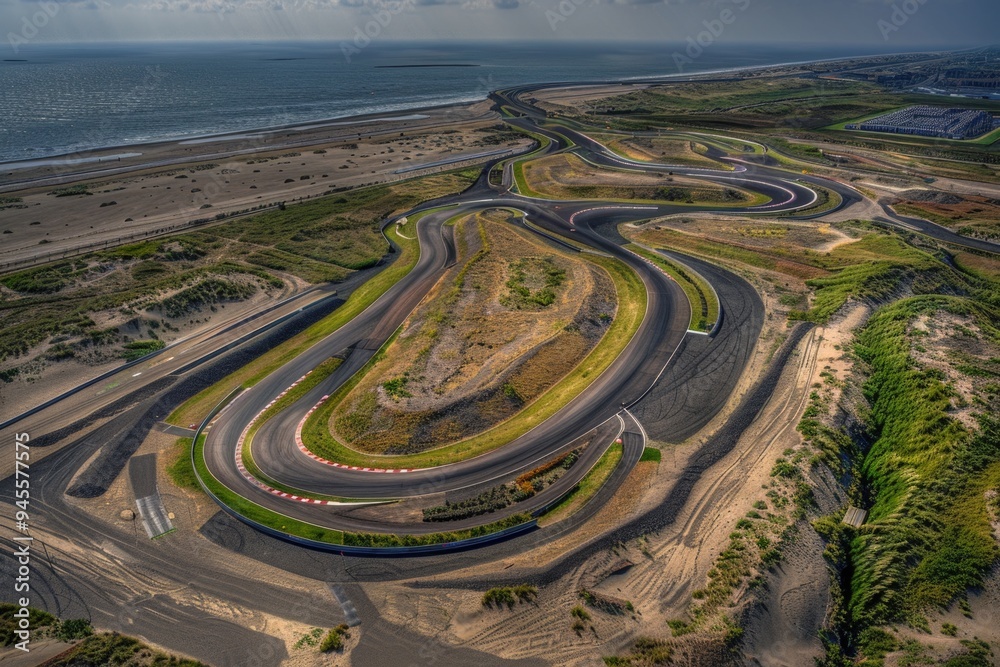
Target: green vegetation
<point x="91" y="650"/>
<point x="926" y="474"/>
<point x="72" y="191"/>
<point x="42" y="624"/>
<point x="508" y="596"/>
<point x="311" y="638"/>
<point x="137" y="349"/>
<point x="181" y="471"/>
<point x="205" y="292"/>
<point x="7" y="201"/>
<point x="876" y="280"/>
<point x="520" y="296"/>
<point x="651" y="454"/>
<point x="387" y="540"/>
<point x="701" y="296"/>
<point x="395" y="387"/>
<point x="255" y="512"/>
<point x="609" y="605"/>
<point x="631" y="310"/>
<point x="334" y="639"/>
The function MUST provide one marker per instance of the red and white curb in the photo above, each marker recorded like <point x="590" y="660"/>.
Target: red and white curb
<point x="256" y="482"/>
<point x="305" y="450"/>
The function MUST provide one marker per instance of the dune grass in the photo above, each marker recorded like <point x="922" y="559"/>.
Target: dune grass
<point x="194" y="409"/>
<point x="928" y="538"/>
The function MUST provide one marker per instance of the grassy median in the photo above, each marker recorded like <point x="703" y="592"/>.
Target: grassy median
<point x="255" y="512"/>
<point x="631" y="311"/>
<point x="703" y="300"/>
<point x="587" y="487"/>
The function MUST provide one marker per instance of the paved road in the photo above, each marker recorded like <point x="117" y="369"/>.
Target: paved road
<point x="88" y="568"/>
<point x="697" y="387"/>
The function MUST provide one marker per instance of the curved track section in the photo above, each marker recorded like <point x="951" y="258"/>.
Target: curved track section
<point x="674" y="381"/>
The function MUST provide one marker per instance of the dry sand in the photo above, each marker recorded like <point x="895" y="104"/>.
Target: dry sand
<point x="157" y="199"/>
<point x="667" y="566"/>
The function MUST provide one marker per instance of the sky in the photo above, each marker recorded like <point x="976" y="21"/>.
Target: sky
<point x="872" y="25"/>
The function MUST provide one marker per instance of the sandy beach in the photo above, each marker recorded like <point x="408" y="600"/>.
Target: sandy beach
<point x="161" y="188"/>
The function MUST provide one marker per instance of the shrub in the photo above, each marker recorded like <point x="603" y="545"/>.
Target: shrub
<point x="334" y="639"/>
<point x="509" y="596"/>
<point x="73" y="629"/>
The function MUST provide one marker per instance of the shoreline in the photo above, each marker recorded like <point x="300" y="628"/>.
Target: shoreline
<point x="379" y="116"/>
<point x="204" y="138"/>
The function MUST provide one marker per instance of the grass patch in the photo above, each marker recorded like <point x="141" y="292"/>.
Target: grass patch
<point x="255" y="512"/>
<point x="587" y="487"/>
<point x="334" y="639"/>
<point x="651" y="454"/>
<point x="520" y="296"/>
<point x="701" y="296"/>
<point x="181" y="471"/>
<point x="508" y="596"/>
<point x="106" y="649"/>
<point x="137" y="349"/>
<point x="925" y="472"/>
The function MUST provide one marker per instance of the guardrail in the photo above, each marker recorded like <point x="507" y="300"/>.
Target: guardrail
<point x="344" y="549"/>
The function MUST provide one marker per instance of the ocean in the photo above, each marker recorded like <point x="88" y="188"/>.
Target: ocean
<point x="58" y="99"/>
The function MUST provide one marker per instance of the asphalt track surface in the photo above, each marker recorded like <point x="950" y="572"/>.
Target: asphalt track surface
<point x="640" y="367"/>
<point x="68" y="581"/>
